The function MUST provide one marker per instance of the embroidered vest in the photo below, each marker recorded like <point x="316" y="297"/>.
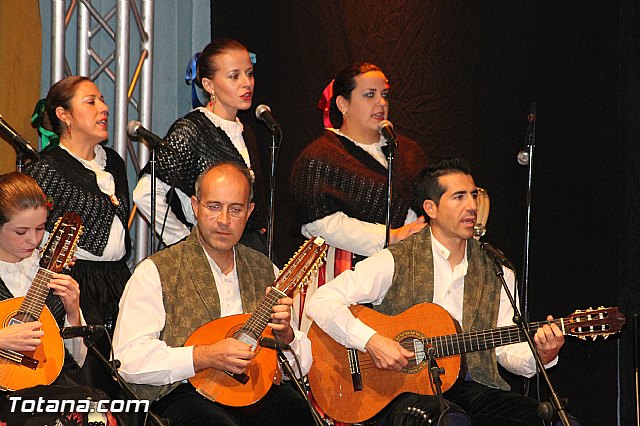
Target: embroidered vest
<point x="190" y="297"/>
<point x="413" y="283"/>
<point x="74" y="188"/>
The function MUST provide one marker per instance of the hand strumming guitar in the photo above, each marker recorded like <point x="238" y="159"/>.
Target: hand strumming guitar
<point x="21" y="337"/>
<point x="226" y="355"/>
<point x="387" y="353"/>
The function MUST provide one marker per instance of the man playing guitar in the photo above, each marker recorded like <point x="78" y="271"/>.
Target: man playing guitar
<point x="207" y="277"/>
<point x="442" y="264"/>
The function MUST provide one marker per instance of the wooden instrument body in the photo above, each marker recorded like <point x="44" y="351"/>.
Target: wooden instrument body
<point x="219" y="386"/>
<point x="49" y="354"/>
<point x="353" y="398"/>
<point x="332" y="386"/>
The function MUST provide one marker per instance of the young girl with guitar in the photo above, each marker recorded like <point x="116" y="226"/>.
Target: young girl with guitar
<point x="23" y="213"/>
<point x="32" y="353"/>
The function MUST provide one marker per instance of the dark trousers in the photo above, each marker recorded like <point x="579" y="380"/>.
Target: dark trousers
<point x="485" y="406"/>
<point x="282" y="405"/>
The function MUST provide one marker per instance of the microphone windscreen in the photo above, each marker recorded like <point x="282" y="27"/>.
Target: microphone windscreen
<point x="132" y="128"/>
<point x="261" y="109"/>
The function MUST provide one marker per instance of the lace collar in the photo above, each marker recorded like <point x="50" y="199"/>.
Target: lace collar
<point x="99" y="160"/>
<point x="230" y="127"/>
<point x="374" y="150"/>
<point x="27" y="266"/>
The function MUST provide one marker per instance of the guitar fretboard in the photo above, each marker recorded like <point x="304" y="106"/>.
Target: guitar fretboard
<point x="32" y="305"/>
<point x="455" y="344"/>
<point x="258" y="321"/>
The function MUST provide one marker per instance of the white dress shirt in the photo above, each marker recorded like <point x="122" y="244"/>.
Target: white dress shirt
<point x="18" y="278"/>
<point x="146" y="359"/>
<point x="174" y="230"/>
<point x="371" y="280"/>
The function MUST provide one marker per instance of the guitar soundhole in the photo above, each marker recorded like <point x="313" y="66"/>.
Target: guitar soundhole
<point x="20" y="318"/>
<point x="412" y="340"/>
<point x="247" y="337"/>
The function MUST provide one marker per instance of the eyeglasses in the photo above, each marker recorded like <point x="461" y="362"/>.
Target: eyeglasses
<point x="235" y="211"/>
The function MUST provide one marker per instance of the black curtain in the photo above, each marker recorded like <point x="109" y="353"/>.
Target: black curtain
<point x="463" y="75"/>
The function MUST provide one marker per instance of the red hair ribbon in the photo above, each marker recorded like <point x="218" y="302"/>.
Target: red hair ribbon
<point x="325" y="102"/>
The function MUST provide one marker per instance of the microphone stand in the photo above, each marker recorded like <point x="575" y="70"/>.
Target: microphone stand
<point x="522" y="324"/>
<point x="391" y="153"/>
<point x="153" y="199"/>
<point x="19" y="161"/>
<point x="434" y="375"/>
<point x="112" y="367"/>
<point x="276" y="138"/>
<point x="525" y="157"/>
<point x="284" y="363"/>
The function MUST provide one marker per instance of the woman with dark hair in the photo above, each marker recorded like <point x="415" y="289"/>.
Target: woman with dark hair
<point x="339" y="181"/>
<point x="78" y="174"/>
<point x="208" y="134"/>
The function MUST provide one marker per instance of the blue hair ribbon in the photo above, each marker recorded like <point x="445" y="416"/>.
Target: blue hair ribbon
<point x="190" y="77"/>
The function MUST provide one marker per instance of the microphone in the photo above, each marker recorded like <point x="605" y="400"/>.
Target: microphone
<point x="135" y="130"/>
<point x="496" y="255"/>
<point x="523" y="155"/>
<point x="385" y="128"/>
<point x="263" y="113"/>
<point x="80" y="331"/>
<point x="18" y="141"/>
<point x="267" y="342"/>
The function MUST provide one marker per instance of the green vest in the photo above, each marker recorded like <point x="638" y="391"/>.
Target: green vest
<point x="190" y="296"/>
<point x="413" y="283"/>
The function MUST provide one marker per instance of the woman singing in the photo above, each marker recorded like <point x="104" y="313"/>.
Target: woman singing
<point x="83" y="176"/>
<point x="208" y="135"/>
<point x="339" y="181"/>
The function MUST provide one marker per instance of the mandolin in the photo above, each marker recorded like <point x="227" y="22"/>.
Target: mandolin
<point x="239" y="390"/>
<point x="19" y="370"/>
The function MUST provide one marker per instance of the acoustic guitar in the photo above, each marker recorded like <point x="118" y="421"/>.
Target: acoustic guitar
<point x="240" y="390"/>
<point x="349" y="388"/>
<point x="19" y="370"/>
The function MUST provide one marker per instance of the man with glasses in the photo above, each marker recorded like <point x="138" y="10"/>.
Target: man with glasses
<point x="204" y="277"/>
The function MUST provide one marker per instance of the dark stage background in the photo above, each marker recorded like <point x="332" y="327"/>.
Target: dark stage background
<point x="463" y="75"/>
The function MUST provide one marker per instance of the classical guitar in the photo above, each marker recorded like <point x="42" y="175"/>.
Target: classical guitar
<point x="19" y="370"/>
<point x="349" y="388"/>
<point x="239" y="390"/>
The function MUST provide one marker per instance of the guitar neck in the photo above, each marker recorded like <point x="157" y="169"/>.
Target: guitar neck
<point x="259" y="319"/>
<point x="455" y="344"/>
<point x="31" y="306"/>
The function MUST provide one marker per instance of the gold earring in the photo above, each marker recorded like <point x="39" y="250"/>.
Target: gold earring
<point x="344" y="114"/>
<point x="212" y="97"/>
<point x="68" y="128"/>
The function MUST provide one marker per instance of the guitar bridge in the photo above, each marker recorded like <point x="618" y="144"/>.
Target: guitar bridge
<point x="242" y="378"/>
<point x="354" y="366"/>
<point x="19" y="358"/>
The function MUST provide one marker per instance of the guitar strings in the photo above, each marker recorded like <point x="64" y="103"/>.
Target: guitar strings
<point x="490" y="339"/>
